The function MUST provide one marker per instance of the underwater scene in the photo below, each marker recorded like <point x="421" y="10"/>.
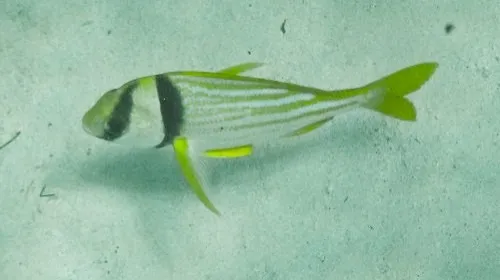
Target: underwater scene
<point x="288" y="139"/>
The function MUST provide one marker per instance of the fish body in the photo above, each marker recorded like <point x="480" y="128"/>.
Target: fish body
<point x="223" y="114"/>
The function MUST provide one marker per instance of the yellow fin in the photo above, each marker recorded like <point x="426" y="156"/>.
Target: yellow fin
<point x="406" y="80"/>
<point x="308" y="128"/>
<point x="147" y="82"/>
<point x="240" y="68"/>
<point x="181" y="149"/>
<point x="394" y="87"/>
<point x="397" y="107"/>
<point x="234" y="152"/>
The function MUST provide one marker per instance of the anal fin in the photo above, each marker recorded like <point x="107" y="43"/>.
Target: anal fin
<point x="233" y="152"/>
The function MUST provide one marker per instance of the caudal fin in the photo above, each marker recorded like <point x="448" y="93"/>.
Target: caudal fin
<point x="393" y="88"/>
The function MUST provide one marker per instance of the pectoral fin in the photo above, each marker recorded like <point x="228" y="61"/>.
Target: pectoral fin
<point x="240" y="68"/>
<point x="181" y="148"/>
<point x="233" y="152"/>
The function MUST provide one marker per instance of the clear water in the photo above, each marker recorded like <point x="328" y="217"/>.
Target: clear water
<point x="366" y="197"/>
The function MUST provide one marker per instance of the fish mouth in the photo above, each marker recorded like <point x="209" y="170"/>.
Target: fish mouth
<point x="85" y="125"/>
<point x="89" y="125"/>
<point x="86" y="129"/>
<point x="90" y="132"/>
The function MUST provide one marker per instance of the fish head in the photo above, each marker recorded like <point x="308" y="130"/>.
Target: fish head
<point x="127" y="116"/>
<point x="104" y="119"/>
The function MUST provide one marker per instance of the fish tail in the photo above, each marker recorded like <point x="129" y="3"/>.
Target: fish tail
<point x="390" y="91"/>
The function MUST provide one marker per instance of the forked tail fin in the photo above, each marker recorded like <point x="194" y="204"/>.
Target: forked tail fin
<point x="391" y="91"/>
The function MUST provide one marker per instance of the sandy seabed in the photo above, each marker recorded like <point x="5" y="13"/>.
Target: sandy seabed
<point x="366" y="197"/>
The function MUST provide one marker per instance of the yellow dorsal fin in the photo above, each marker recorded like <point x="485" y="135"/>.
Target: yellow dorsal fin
<point x="233" y="152"/>
<point x="240" y="68"/>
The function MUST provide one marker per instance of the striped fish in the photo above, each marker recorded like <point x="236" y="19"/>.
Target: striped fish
<point x="224" y="114"/>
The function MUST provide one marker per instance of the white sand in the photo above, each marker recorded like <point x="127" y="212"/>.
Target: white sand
<point x="367" y="197"/>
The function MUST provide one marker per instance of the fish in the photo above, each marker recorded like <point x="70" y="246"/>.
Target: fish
<point x="225" y="113"/>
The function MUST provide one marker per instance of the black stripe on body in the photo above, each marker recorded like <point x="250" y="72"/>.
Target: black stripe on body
<point x="120" y="117"/>
<point x="171" y="108"/>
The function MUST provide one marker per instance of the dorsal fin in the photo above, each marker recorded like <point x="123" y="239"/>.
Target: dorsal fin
<point x="240" y="68"/>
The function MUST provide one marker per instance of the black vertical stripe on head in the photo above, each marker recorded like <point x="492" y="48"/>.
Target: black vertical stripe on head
<point x="171" y="107"/>
<point x="120" y="117"/>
